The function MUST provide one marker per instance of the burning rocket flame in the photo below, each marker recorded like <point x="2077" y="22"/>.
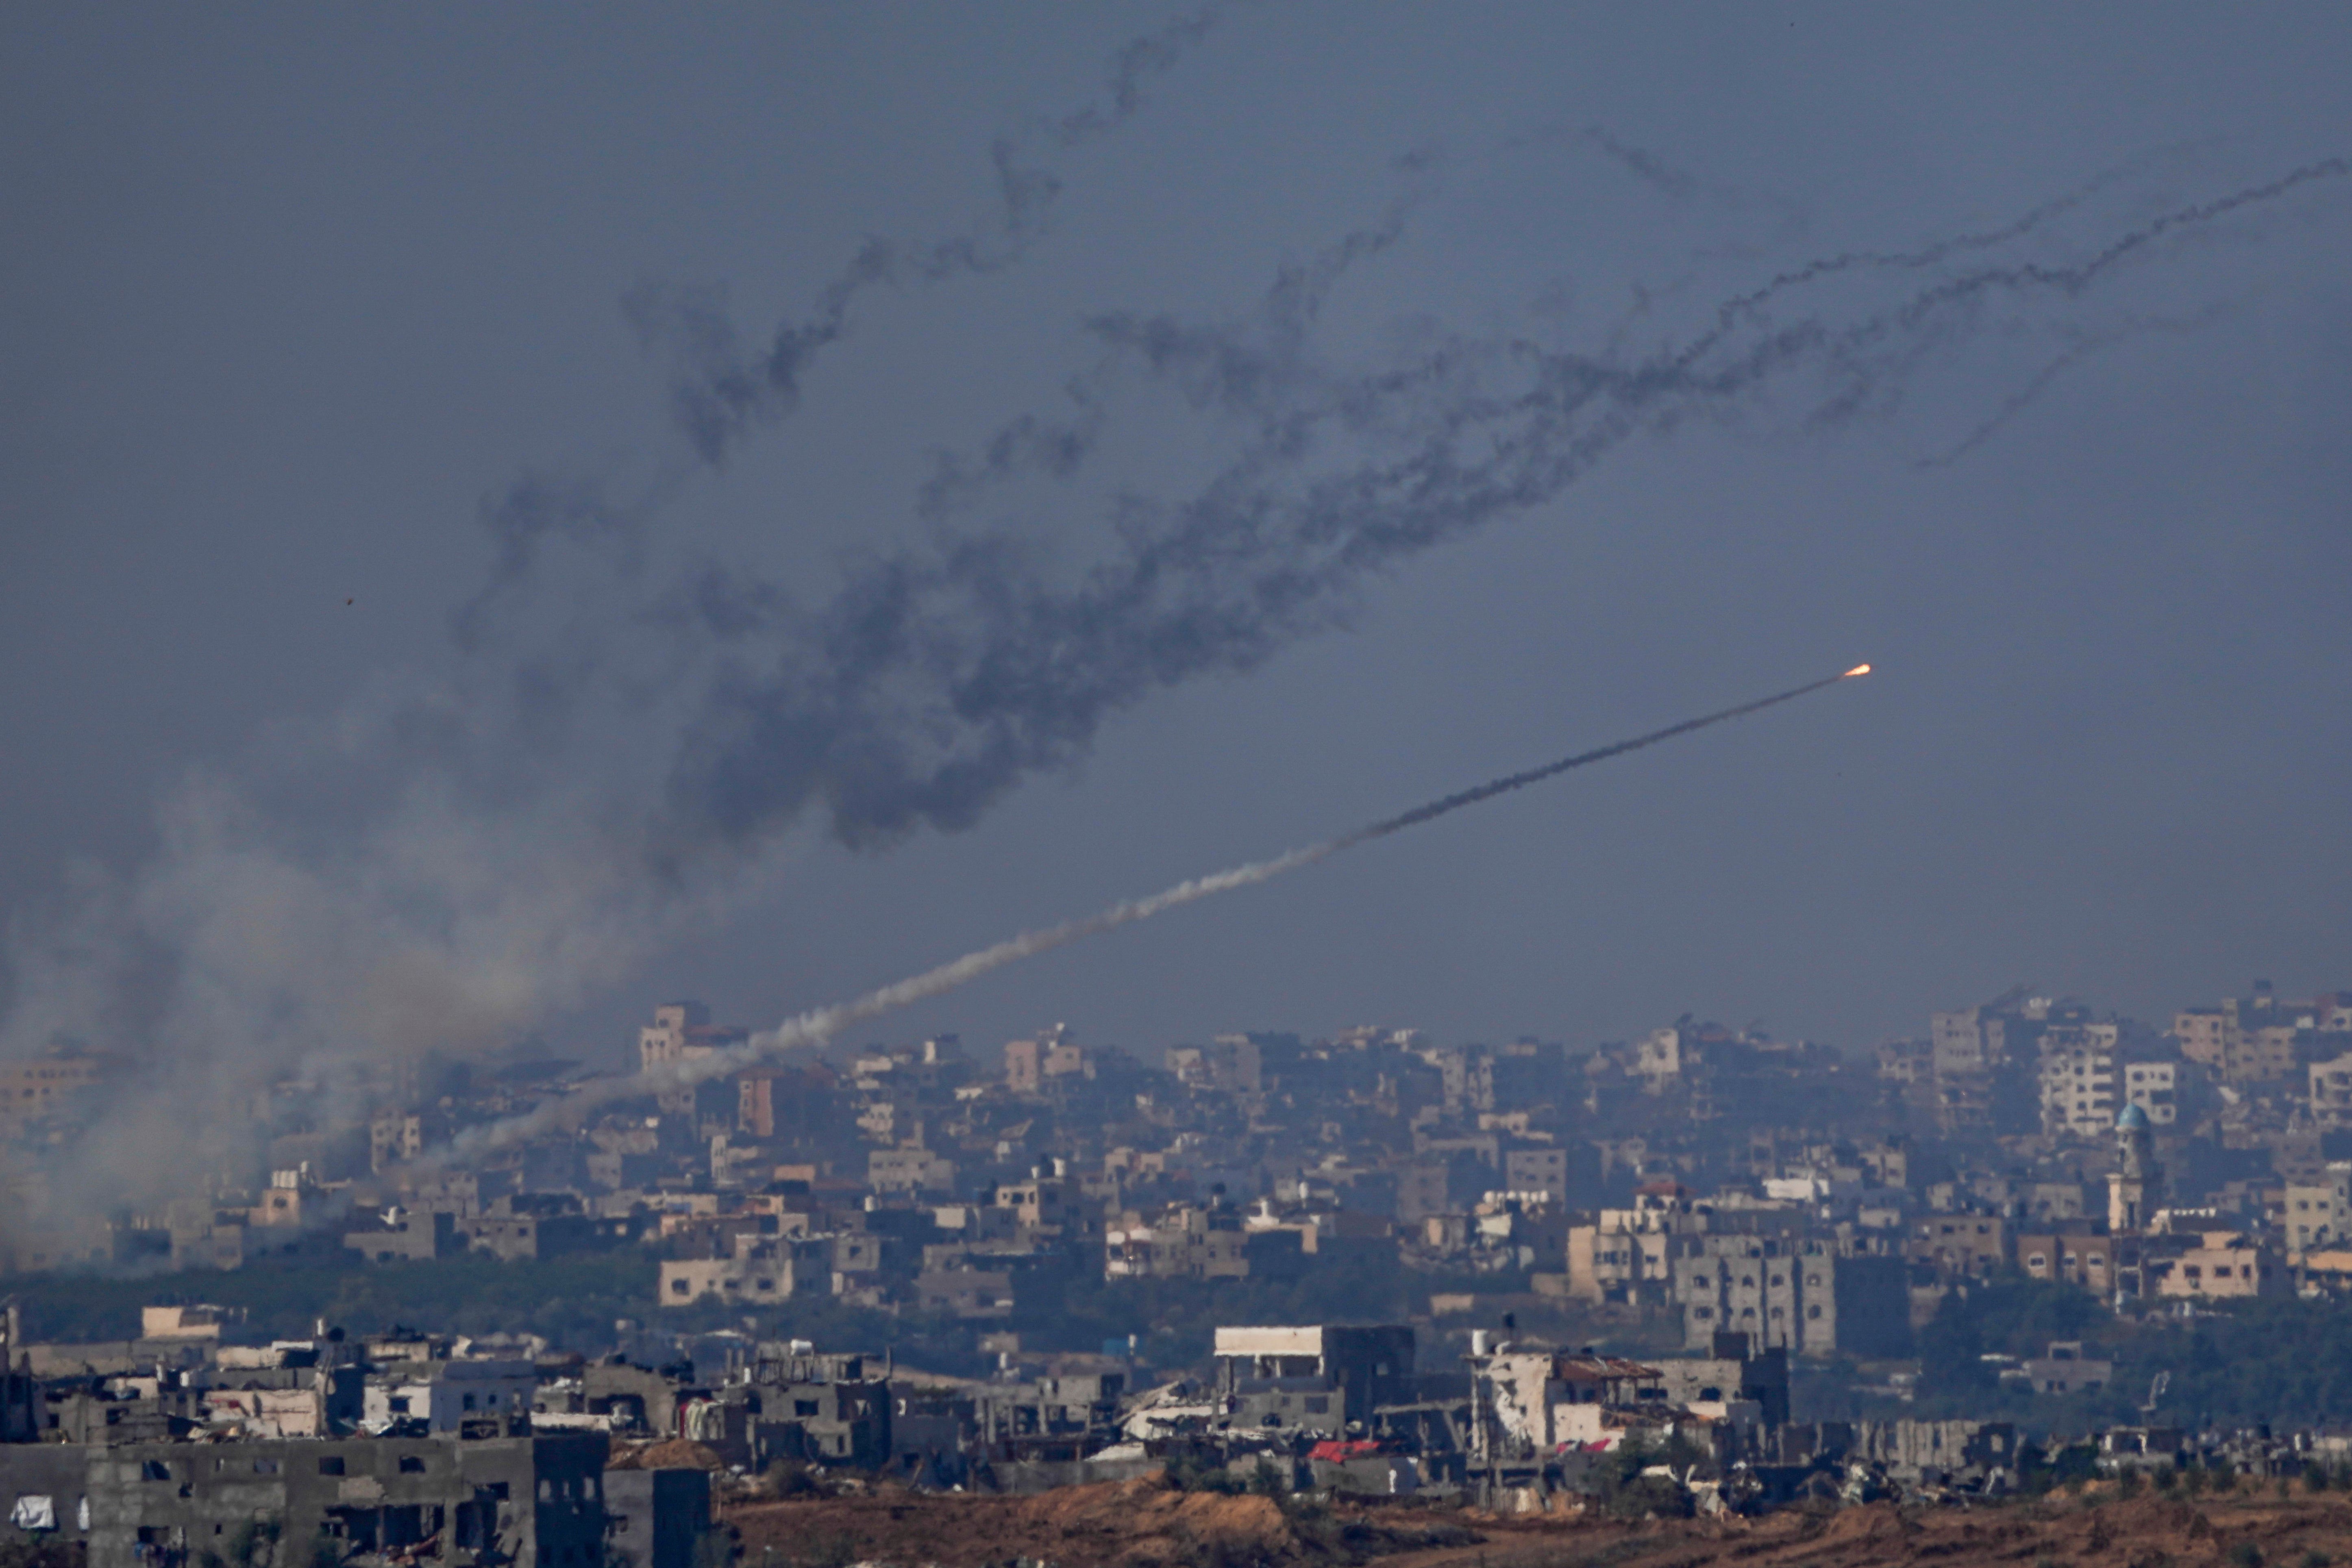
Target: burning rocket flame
<point x="1857" y="670"/>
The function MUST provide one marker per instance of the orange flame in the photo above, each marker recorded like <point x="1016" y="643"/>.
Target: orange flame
<point x="1857" y="670"/>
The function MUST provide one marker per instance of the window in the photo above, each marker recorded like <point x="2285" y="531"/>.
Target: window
<point x="332" y="1464"/>
<point x="804" y="1406"/>
<point x="677" y="1288"/>
<point x="412" y="1464"/>
<point x="1812" y="1312"/>
<point x="399" y="1403"/>
<point x="154" y="1470"/>
<point x="469" y="1402"/>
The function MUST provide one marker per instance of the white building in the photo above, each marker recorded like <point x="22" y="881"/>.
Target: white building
<point x="446" y="1394"/>
<point x="2086" y="1078"/>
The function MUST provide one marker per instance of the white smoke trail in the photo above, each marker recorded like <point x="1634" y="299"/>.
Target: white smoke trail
<point x="820" y="1025"/>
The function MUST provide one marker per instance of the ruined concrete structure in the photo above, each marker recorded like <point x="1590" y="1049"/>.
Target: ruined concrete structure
<point x="517" y="1502"/>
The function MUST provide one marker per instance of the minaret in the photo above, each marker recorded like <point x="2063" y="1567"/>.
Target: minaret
<point x="2137" y="1185"/>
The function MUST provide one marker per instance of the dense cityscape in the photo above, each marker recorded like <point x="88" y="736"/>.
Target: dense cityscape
<point x="586" y="586"/>
<point x="1369" y="1265"/>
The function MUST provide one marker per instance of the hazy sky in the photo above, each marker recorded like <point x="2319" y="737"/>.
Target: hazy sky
<point x="293" y="294"/>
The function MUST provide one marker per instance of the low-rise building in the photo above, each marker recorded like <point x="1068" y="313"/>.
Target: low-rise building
<point x="442" y="1396"/>
<point x="2220" y="1264"/>
<point x="535" y="1502"/>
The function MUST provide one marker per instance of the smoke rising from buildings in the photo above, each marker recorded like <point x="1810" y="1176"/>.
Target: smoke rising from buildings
<point x="449" y="864"/>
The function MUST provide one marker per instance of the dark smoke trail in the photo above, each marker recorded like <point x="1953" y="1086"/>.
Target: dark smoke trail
<point x="2086" y="346"/>
<point x="820" y="1025"/>
<point x="934" y="682"/>
<point x="1488" y="790"/>
<point x="719" y="393"/>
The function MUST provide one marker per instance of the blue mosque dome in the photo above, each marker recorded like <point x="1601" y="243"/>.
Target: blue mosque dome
<point x="2131" y="1119"/>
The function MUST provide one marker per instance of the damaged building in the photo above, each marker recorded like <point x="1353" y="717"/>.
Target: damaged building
<point x="523" y="1501"/>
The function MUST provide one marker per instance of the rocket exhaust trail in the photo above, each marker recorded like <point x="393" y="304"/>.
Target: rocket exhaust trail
<point x="821" y="1024"/>
<point x="1472" y="796"/>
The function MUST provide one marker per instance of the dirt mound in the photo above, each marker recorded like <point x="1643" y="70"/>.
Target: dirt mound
<point x="676" y="1453"/>
<point x="1144" y="1524"/>
<point x="1149" y="1524"/>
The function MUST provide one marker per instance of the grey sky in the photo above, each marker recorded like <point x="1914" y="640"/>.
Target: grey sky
<point x="291" y="291"/>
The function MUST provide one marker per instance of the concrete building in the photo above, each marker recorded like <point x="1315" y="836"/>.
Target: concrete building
<point x="407" y="1236"/>
<point x="1625" y="1250"/>
<point x="1030" y="1064"/>
<point x="444" y="1396"/>
<point x="1960" y="1246"/>
<point x="682" y="1031"/>
<point x="1321" y="1377"/>
<point x="832" y="1408"/>
<point x="908" y="1170"/>
<point x="1539" y="1171"/>
<point x="530" y="1502"/>
<point x="2080" y="1080"/>
<point x="2331" y="1092"/>
<point x="654" y="1519"/>
<point x="760" y="1268"/>
<point x="1794" y="1295"/>
<point x="55" y="1083"/>
<point x="1186" y="1242"/>
<point x="2075" y="1255"/>
<point x="2221" y="1264"/>
<point x="2319" y="1214"/>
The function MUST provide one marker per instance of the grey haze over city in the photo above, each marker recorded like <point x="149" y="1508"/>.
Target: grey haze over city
<point x="514" y="514"/>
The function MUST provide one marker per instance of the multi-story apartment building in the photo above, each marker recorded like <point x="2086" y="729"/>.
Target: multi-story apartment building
<point x="2079" y="1081"/>
<point x="2076" y="1255"/>
<point x="1960" y="1246"/>
<point x="2088" y="1073"/>
<point x="1625" y="1250"/>
<point x="2206" y="1033"/>
<point x="682" y="1032"/>
<point x="2319" y="1214"/>
<point x="1797" y="1294"/>
<point x="2222" y="1263"/>
<point x="1186" y="1242"/>
<point x="47" y="1085"/>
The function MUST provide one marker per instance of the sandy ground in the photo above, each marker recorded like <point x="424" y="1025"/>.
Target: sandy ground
<point x="1142" y="1524"/>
